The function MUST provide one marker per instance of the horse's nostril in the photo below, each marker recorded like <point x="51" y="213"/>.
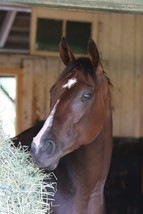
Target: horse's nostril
<point x="48" y="146"/>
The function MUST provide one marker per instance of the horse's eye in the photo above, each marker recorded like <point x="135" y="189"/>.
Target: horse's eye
<point x="86" y="96"/>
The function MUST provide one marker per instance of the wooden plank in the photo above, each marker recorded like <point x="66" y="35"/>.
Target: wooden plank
<point x="63" y="14"/>
<point x="15" y="7"/>
<point x="33" y="30"/>
<point x="115" y="53"/>
<point x="19" y="78"/>
<point x="39" y="90"/>
<point x="104" y="5"/>
<point x="27" y="94"/>
<point x="103" y="40"/>
<point x="52" y="72"/>
<point x="138" y="101"/>
<point x="109" y="41"/>
<point x="11" y="60"/>
<point x="95" y="27"/>
<point x="127" y="74"/>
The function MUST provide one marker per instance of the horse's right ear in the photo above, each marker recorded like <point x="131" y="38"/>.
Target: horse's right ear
<point x="65" y="52"/>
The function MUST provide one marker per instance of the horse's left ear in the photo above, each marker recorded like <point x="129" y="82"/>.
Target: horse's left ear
<point x="93" y="53"/>
<point x="65" y="52"/>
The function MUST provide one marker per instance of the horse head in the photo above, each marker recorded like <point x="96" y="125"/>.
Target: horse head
<point x="77" y="108"/>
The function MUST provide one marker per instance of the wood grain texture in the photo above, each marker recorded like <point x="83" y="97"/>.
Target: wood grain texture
<point x="119" y="39"/>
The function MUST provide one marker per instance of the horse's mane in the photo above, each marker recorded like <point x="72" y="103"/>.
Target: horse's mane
<point x="84" y="65"/>
<point x="81" y="64"/>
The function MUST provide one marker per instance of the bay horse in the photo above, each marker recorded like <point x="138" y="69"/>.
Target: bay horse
<point x="75" y="141"/>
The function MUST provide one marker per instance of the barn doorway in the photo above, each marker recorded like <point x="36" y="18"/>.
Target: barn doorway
<point x="8" y="104"/>
<point x="10" y="100"/>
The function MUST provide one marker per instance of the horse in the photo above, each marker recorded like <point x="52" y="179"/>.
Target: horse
<point x="75" y="141"/>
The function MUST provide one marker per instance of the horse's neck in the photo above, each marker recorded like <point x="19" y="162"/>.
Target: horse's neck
<point x="95" y="157"/>
<point x="92" y="164"/>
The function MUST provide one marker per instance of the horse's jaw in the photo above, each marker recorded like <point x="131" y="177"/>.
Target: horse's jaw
<point x="49" y="164"/>
<point x="52" y="166"/>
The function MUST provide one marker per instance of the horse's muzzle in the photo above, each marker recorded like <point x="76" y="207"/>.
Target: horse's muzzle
<point x="42" y="154"/>
<point x="47" y="145"/>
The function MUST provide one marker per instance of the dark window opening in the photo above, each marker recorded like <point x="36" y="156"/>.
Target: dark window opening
<point x="50" y="31"/>
<point x="78" y="34"/>
<point x="48" y="34"/>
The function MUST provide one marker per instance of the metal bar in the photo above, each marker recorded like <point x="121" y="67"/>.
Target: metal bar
<point x="6" y="27"/>
<point x="7" y="94"/>
<point x="12" y="7"/>
<point x="20" y="51"/>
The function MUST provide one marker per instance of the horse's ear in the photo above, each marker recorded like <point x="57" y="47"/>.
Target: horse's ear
<point x="65" y="52"/>
<point x="93" y="53"/>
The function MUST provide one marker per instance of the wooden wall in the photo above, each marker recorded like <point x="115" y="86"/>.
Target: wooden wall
<point x="121" y="47"/>
<point x="119" y="38"/>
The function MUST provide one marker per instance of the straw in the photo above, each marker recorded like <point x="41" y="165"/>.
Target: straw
<point x="24" y="188"/>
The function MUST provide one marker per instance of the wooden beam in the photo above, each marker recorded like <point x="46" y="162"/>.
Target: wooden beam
<point x="6" y="27"/>
<point x="11" y="7"/>
<point x="129" y="6"/>
<point x="16" y="51"/>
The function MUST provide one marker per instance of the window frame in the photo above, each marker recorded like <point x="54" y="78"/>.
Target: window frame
<point x="17" y="72"/>
<point x="59" y="14"/>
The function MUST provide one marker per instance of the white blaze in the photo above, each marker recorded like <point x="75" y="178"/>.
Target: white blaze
<point x="70" y="83"/>
<point x="47" y="125"/>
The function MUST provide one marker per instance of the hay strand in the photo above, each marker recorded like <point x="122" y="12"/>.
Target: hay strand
<point x="22" y="186"/>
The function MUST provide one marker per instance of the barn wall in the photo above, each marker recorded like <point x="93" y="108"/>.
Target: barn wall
<point x="38" y="75"/>
<point x="121" y="47"/>
<point x="119" y="38"/>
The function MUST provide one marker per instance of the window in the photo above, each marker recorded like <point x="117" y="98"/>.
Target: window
<point x="50" y="31"/>
<point x="78" y="33"/>
<point x="49" y="25"/>
<point x="48" y="35"/>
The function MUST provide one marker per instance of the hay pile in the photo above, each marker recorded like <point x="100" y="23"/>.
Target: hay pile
<point x="22" y="186"/>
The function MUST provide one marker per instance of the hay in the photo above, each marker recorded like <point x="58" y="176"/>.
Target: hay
<point x="22" y="186"/>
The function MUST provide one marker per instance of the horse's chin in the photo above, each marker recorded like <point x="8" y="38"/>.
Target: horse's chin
<point x="52" y="166"/>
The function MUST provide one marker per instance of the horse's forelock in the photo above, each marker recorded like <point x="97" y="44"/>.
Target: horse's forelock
<point x="83" y="65"/>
